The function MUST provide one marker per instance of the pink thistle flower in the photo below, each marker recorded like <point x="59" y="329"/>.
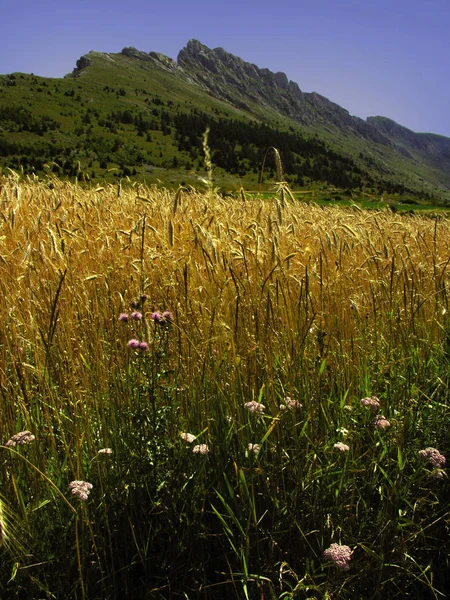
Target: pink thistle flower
<point x="133" y="344"/>
<point x="380" y="422"/>
<point x="435" y="458"/>
<point x="143" y="346"/>
<point x="167" y="317"/>
<point x="20" y="439"/>
<point x="373" y="403"/>
<point x="188" y="437"/>
<point x="200" y="449"/>
<point x="80" y="489"/>
<point x="254" y="407"/>
<point x="123" y="317"/>
<point x="136" y="315"/>
<point x="341" y="556"/>
<point x="341" y="447"/>
<point x="156" y="317"/>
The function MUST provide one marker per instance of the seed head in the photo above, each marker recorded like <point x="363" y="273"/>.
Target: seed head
<point x="105" y="451"/>
<point x="188" y="437"/>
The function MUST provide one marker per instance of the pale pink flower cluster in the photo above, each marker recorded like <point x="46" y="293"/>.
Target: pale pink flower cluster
<point x="20" y="439"/>
<point x="255" y="407"/>
<point x="290" y="404"/>
<point x="255" y="448"/>
<point x="380" y="422"/>
<point x="80" y="489"/>
<point x="188" y="437"/>
<point x="200" y="449"/>
<point x="436" y="459"/>
<point x="105" y="451"/>
<point x="341" y="556"/>
<point x="373" y="403"/>
<point x="341" y="447"/>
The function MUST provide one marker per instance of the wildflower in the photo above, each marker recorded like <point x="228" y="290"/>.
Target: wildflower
<point x="136" y="315"/>
<point x="200" y="449"/>
<point x="341" y="556"/>
<point x="380" y="422"/>
<point x="348" y="407"/>
<point x="341" y="447"/>
<point x="289" y="403"/>
<point x="188" y="437"/>
<point x="437" y="474"/>
<point x="80" y="489"/>
<point x="144" y="297"/>
<point x="20" y="439"/>
<point x="105" y="451"/>
<point x="436" y="459"/>
<point x="255" y="448"/>
<point x="123" y="317"/>
<point x="254" y="407"/>
<point x="143" y="346"/>
<point x="343" y="431"/>
<point x="167" y="317"/>
<point x="133" y="344"/>
<point x="373" y="403"/>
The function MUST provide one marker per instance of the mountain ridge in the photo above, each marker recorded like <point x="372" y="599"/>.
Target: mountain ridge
<point x="114" y="100"/>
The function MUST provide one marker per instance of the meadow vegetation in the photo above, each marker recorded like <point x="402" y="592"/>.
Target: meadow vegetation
<point x="181" y="377"/>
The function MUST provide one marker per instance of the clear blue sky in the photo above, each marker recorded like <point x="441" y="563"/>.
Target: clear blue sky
<point x="373" y="57"/>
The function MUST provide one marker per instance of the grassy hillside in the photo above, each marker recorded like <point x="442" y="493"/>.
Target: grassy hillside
<point x="304" y="349"/>
<point x="119" y="116"/>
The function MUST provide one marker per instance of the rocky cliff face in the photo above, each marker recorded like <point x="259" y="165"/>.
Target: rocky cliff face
<point x="247" y="86"/>
<point x="230" y="78"/>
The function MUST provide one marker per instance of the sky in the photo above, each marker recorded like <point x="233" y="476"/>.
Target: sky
<point x="372" y="57"/>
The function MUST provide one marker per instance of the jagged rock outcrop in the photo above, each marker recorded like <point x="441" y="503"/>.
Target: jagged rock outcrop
<point x="244" y="84"/>
<point x="82" y="63"/>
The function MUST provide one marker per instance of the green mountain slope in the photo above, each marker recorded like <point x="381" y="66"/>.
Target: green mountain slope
<point x="144" y="115"/>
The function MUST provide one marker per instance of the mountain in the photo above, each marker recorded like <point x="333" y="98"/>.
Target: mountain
<point x="144" y="115"/>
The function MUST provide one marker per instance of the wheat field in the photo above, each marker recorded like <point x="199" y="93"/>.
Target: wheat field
<point x="134" y="316"/>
